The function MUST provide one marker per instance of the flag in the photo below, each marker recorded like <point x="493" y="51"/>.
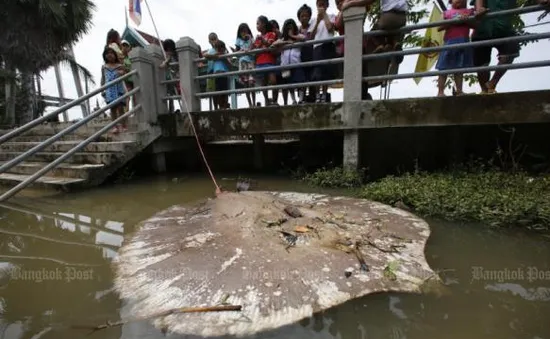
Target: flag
<point x="432" y="38"/>
<point x="135" y="11"/>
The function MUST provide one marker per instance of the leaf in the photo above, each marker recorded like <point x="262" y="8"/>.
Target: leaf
<point x="301" y="229"/>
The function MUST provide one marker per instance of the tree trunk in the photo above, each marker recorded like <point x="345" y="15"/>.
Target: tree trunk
<point x="25" y="107"/>
<point x="11" y="93"/>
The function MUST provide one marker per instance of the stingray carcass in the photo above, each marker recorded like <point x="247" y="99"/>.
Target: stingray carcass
<point x="283" y="256"/>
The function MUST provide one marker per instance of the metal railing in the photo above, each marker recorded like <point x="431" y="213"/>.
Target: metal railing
<point x="65" y="156"/>
<point x="390" y="56"/>
<point x="71" y="128"/>
<point x="63" y="108"/>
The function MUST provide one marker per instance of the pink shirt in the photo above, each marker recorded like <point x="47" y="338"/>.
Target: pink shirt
<point x="458" y="31"/>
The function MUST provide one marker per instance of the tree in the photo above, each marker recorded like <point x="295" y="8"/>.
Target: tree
<point x="34" y="35"/>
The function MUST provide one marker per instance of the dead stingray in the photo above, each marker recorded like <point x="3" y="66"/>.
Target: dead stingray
<point x="282" y="256"/>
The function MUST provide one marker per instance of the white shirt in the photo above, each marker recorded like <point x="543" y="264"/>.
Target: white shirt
<point x="395" y="5"/>
<point x="291" y="56"/>
<point x="322" y="31"/>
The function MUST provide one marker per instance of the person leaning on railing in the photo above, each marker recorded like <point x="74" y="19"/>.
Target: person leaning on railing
<point x="495" y="28"/>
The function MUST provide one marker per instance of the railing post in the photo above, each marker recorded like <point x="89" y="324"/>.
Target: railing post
<point x="142" y="61"/>
<point x="353" y="72"/>
<point x="188" y="51"/>
<point x="159" y="74"/>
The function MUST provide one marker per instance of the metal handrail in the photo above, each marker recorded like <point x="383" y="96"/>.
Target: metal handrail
<point x="63" y="108"/>
<point x="410" y="28"/>
<point x="386" y="55"/>
<point x="406" y="29"/>
<point x="67" y="130"/>
<point x="531" y="64"/>
<point x="492" y="42"/>
<point x="62" y="158"/>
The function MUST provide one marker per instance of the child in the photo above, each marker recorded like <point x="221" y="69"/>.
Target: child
<point x="246" y="62"/>
<point x="219" y="65"/>
<point x="126" y="48"/>
<point x="111" y="70"/>
<point x="455" y="34"/>
<point x="172" y="72"/>
<point x="323" y="29"/>
<point x="265" y="39"/>
<point x="289" y="57"/>
<point x="113" y="42"/>
<point x="304" y="16"/>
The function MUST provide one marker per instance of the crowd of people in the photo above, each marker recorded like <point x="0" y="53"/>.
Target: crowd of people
<point x="321" y="24"/>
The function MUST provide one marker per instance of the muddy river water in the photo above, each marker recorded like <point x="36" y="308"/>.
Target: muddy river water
<point x="56" y="254"/>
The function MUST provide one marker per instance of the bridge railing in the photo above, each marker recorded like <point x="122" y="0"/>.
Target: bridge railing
<point x="382" y="67"/>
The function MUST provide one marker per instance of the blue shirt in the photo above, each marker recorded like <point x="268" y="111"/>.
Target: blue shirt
<point x="215" y="66"/>
<point x="245" y="45"/>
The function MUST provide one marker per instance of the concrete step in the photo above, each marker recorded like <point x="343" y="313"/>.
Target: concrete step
<point x="128" y="136"/>
<point x="50" y="130"/>
<point x="11" y="180"/>
<point x="77" y="158"/>
<point x="75" y="171"/>
<point x="65" y="146"/>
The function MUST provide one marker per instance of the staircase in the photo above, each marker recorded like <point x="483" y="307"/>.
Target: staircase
<point x="89" y="167"/>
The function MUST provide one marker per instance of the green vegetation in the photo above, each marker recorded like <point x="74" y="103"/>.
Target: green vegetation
<point x="486" y="195"/>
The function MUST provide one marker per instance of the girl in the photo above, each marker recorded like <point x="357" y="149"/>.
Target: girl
<point x="111" y="70"/>
<point x="306" y="52"/>
<point x="265" y="39"/>
<point x="277" y="30"/>
<point x="323" y="29"/>
<point x="113" y="42"/>
<point x="246" y="62"/>
<point x="291" y="56"/>
<point x="219" y="64"/>
<point x="455" y="34"/>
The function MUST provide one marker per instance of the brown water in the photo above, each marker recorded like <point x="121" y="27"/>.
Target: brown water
<point x="55" y="271"/>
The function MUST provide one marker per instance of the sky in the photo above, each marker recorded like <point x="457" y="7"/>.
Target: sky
<point x="176" y="18"/>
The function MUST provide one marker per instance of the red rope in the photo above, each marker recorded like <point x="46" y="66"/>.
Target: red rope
<point x="218" y="190"/>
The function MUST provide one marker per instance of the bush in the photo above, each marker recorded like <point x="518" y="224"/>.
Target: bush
<point x="335" y="178"/>
<point x="492" y="197"/>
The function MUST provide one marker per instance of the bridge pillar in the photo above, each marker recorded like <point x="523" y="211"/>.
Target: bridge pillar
<point x="159" y="75"/>
<point x="143" y="62"/>
<point x="353" y="66"/>
<point x="188" y="52"/>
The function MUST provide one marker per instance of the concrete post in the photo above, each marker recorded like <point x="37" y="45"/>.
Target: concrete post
<point x="353" y="72"/>
<point x="155" y="52"/>
<point x="188" y="52"/>
<point x="142" y="61"/>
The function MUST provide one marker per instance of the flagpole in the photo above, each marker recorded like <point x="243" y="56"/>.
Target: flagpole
<point x="155" y="27"/>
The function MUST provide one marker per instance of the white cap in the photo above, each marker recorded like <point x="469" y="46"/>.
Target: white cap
<point x="125" y="42"/>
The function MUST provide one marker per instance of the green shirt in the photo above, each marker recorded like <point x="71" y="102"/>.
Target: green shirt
<point x="500" y="26"/>
<point x="128" y="66"/>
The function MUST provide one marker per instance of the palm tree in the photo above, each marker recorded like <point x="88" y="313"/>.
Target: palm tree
<point x="34" y="36"/>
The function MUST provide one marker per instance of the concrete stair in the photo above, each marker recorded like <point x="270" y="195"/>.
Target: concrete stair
<point x="91" y="166"/>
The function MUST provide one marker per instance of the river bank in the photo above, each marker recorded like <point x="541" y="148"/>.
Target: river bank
<point x="488" y="196"/>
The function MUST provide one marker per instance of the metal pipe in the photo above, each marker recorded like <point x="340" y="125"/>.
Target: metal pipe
<point x="270" y="49"/>
<point x="531" y="64"/>
<point x="62" y="158"/>
<point x="406" y="29"/>
<point x="67" y="130"/>
<point x="273" y="68"/>
<point x="493" y="42"/>
<point x="267" y="88"/>
<point x="519" y="38"/>
<point x="62" y="109"/>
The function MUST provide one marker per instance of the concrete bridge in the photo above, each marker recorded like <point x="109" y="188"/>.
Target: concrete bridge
<point x="351" y="124"/>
